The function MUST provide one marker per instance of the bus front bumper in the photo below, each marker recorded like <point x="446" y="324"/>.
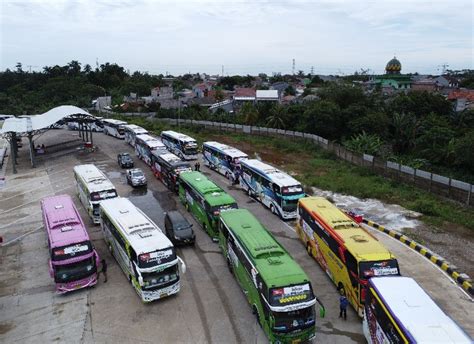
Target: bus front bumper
<point x="148" y="296"/>
<point x="305" y="336"/>
<point x="62" y="288"/>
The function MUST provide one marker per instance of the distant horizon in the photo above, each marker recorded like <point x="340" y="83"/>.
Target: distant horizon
<point x="335" y="37"/>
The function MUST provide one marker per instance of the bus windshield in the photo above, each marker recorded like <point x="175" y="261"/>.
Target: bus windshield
<point x="217" y="210"/>
<point x="290" y="295"/>
<point x="149" y="260"/>
<point x="380" y="268"/>
<point x="289" y="205"/>
<point x="158" y="278"/>
<point x="101" y="195"/>
<point x="294" y="320"/>
<point x="190" y="149"/>
<point x="74" y="271"/>
<point x="71" y="251"/>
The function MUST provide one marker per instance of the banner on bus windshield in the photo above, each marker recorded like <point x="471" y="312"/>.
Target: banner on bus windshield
<point x="148" y="260"/>
<point x="72" y="251"/>
<point x="373" y="269"/>
<point x="97" y="196"/>
<point x="290" y="295"/>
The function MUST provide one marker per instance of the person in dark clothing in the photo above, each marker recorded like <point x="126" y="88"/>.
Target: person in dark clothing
<point x="104" y="270"/>
<point x="197" y="166"/>
<point x="343" y="302"/>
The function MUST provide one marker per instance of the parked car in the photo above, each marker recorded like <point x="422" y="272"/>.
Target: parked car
<point x="178" y="229"/>
<point x="125" y="160"/>
<point x="136" y="177"/>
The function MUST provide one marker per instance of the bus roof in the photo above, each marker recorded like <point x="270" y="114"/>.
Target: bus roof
<point x="135" y="129"/>
<point x="416" y="311"/>
<point x="63" y="222"/>
<point x="113" y="121"/>
<point x="94" y="178"/>
<point x="169" y="158"/>
<point x="151" y="141"/>
<point x="178" y="136"/>
<point x="141" y="232"/>
<point x="357" y="240"/>
<point x="225" y="149"/>
<point x="272" y="173"/>
<point x="213" y="194"/>
<point x="274" y="264"/>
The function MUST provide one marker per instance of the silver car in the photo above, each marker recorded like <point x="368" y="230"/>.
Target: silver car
<point x="136" y="177"/>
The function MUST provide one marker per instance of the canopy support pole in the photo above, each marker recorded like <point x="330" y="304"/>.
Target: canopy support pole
<point x="32" y="149"/>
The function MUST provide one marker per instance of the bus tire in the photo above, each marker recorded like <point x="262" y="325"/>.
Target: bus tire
<point x="187" y="206"/>
<point x="256" y="313"/>
<point x="340" y="288"/>
<point x="229" y="266"/>
<point x="272" y="209"/>
<point x="308" y="249"/>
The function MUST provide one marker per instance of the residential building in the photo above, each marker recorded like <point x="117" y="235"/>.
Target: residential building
<point x="267" y="95"/>
<point x="462" y="99"/>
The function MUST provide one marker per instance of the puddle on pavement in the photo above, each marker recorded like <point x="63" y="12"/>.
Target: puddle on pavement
<point x="114" y="175"/>
<point x="152" y="203"/>
<point x="391" y="216"/>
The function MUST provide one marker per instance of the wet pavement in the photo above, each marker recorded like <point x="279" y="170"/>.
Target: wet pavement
<point x="210" y="306"/>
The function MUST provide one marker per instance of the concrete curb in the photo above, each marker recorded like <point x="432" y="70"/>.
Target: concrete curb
<point x="464" y="282"/>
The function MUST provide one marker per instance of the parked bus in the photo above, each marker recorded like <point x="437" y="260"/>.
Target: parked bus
<point x="398" y="310"/>
<point x="73" y="259"/>
<point x="131" y="131"/>
<point x="278" y="290"/>
<point x="114" y="127"/>
<point x="92" y="187"/>
<point x="182" y="145"/>
<point x="346" y="252"/>
<point x="145" y="145"/>
<point x="222" y="158"/>
<point x="273" y="188"/>
<point x="204" y="199"/>
<point x="145" y="254"/>
<point x="167" y="167"/>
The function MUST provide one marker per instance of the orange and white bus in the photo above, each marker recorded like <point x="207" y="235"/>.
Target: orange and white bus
<point x="347" y="252"/>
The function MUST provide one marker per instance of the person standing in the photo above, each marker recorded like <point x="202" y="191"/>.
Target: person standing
<point x="197" y="166"/>
<point x="343" y="302"/>
<point x="103" y="270"/>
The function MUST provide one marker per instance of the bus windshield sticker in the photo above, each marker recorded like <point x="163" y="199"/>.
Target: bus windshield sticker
<point x="157" y="257"/>
<point x="71" y="251"/>
<point x="290" y="295"/>
<point x="385" y="268"/>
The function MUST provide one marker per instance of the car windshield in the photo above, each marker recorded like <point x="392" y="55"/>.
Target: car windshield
<point x="294" y="320"/>
<point x="75" y="271"/>
<point x="137" y="174"/>
<point x="156" y="279"/>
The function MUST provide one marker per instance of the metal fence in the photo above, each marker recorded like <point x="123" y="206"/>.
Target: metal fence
<point x="434" y="183"/>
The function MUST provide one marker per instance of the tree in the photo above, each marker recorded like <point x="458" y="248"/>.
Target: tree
<point x="277" y="117"/>
<point x="219" y="95"/>
<point x="436" y="139"/>
<point x="249" y="113"/>
<point x="464" y="151"/>
<point x="404" y="128"/>
<point x="364" y="143"/>
<point x="290" y="91"/>
<point x="322" y="118"/>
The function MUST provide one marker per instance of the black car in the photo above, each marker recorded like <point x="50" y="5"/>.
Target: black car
<point x="125" y="160"/>
<point x="178" y="229"/>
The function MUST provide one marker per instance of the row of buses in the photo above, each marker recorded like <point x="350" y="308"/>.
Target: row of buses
<point x="395" y="309"/>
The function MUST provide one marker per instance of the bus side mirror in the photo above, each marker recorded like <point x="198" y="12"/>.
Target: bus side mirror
<point x="140" y="280"/>
<point x="182" y="265"/>
<point x="51" y="272"/>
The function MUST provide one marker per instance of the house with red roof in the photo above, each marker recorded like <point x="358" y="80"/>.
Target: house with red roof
<point x="462" y="98"/>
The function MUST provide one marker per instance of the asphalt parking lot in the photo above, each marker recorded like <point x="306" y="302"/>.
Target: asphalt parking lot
<point x="210" y="306"/>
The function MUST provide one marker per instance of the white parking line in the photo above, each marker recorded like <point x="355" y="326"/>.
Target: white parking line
<point x="19" y="220"/>
<point x="30" y="190"/>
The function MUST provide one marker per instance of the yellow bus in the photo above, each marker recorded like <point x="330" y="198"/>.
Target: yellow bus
<point x="346" y="252"/>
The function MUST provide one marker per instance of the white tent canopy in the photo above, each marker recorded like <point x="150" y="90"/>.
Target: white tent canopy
<point x="43" y="121"/>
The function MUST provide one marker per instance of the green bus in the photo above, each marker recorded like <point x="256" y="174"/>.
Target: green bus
<point x="276" y="287"/>
<point x="204" y="199"/>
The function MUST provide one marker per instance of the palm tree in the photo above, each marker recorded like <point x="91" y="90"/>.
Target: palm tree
<point x="249" y="113"/>
<point x="277" y="117"/>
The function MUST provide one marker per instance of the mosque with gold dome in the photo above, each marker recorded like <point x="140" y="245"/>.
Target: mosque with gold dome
<point x="393" y="79"/>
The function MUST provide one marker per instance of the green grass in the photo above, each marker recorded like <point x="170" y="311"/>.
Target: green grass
<point x="319" y="168"/>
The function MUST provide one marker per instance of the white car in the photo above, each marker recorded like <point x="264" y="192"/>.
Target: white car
<point x="136" y="177"/>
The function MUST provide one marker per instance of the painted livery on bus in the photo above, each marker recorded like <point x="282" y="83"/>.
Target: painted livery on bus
<point x="204" y="199"/>
<point x="146" y="256"/>
<point x="131" y="131"/>
<point x="114" y="127"/>
<point x="223" y="158"/>
<point x="145" y="145"/>
<point x="398" y="310"/>
<point x="92" y="187"/>
<point x="167" y="167"/>
<point x="346" y="252"/>
<point x="273" y="188"/>
<point x="73" y="259"/>
<point x="182" y="145"/>
<point x="278" y="290"/>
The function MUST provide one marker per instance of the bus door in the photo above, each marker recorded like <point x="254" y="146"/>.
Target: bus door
<point x="352" y="269"/>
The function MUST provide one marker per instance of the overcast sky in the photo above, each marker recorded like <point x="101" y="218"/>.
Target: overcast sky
<point x="245" y="36"/>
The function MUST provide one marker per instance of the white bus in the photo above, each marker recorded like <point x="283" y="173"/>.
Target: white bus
<point x="223" y="158"/>
<point x="398" y="310"/>
<point x="145" y="254"/>
<point x="275" y="189"/>
<point x="145" y="145"/>
<point x="131" y="132"/>
<point x="92" y="187"/>
<point x="179" y="144"/>
<point x="114" y="127"/>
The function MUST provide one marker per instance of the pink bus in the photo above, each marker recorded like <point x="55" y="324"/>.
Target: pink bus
<point x="73" y="260"/>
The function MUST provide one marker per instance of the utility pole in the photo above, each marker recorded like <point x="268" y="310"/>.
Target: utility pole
<point x="293" y="68"/>
<point x="222" y="70"/>
<point x="312" y="71"/>
<point x="31" y="66"/>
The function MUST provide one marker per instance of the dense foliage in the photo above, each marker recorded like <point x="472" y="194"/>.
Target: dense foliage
<point x="419" y="128"/>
